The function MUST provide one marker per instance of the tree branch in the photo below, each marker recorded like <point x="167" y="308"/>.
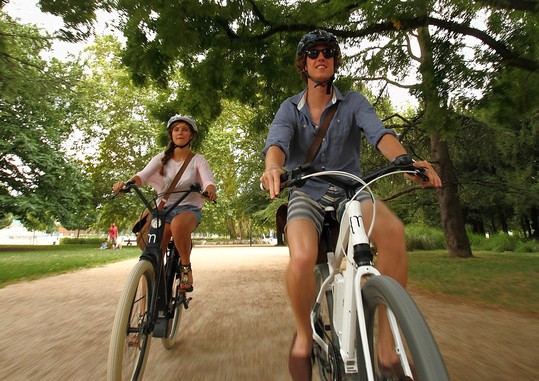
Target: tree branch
<point x="390" y="81"/>
<point x="400" y="193"/>
<point x="508" y="57"/>
<point x="516" y="5"/>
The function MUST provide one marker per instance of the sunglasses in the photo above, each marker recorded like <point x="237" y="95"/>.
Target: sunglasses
<point x="314" y="53"/>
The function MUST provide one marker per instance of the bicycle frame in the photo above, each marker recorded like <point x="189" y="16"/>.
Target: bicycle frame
<point x="348" y="313"/>
<point x="160" y="298"/>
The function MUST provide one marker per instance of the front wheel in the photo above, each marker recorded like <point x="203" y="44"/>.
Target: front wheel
<point x="177" y="299"/>
<point x="418" y="357"/>
<point x="131" y="338"/>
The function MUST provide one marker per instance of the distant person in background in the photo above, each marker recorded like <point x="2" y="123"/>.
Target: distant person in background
<point x="113" y="236"/>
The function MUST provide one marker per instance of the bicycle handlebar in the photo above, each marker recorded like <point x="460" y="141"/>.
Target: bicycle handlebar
<point x="299" y="175"/>
<point x="195" y="187"/>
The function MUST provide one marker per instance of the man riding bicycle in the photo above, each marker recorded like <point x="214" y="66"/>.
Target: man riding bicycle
<point x="291" y="134"/>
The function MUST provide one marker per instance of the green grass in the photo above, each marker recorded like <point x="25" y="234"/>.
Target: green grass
<point x="501" y="280"/>
<point x="31" y="262"/>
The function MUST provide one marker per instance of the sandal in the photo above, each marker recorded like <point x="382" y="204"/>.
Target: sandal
<point x="300" y="368"/>
<point x="185" y="284"/>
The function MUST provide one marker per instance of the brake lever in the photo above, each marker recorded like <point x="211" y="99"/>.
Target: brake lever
<point x="295" y="176"/>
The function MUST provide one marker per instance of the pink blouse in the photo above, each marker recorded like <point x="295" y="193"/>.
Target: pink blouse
<point x="198" y="171"/>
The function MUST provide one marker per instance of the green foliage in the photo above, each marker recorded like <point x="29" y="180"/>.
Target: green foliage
<point x="424" y="238"/>
<point x="233" y="64"/>
<point x="81" y="241"/>
<point x="503" y="242"/>
<point x="40" y="183"/>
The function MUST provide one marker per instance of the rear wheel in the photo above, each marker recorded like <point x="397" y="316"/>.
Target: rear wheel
<point x="419" y="356"/>
<point x="130" y="338"/>
<point x="329" y="367"/>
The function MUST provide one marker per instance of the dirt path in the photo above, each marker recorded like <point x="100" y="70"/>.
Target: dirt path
<point x="238" y="327"/>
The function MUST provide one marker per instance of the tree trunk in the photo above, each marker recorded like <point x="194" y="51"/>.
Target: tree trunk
<point x="231" y="228"/>
<point x="456" y="238"/>
<point x="534" y="223"/>
<point x="452" y="218"/>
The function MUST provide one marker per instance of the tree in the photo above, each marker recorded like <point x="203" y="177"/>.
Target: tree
<point x="252" y="45"/>
<point x="119" y="133"/>
<point x="40" y="183"/>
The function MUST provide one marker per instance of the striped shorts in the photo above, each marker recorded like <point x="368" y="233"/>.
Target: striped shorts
<point x="301" y="205"/>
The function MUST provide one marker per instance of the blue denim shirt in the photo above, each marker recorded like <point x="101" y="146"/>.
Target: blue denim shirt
<point x="293" y="131"/>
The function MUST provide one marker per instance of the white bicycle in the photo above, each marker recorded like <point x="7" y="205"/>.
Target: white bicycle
<point x="352" y="294"/>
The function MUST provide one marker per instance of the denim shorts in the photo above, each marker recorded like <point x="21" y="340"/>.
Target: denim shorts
<point x="184" y="208"/>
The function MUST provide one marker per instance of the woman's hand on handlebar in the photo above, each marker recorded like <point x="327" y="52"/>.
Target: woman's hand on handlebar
<point x="116" y="188"/>
<point x="210" y="193"/>
<point x="433" y="180"/>
<point x="271" y="180"/>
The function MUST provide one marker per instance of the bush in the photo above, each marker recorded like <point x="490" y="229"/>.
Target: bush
<point x="81" y="241"/>
<point x="420" y="237"/>
<point x="501" y="242"/>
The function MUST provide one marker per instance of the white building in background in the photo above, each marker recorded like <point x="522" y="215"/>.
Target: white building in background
<point x="16" y="234"/>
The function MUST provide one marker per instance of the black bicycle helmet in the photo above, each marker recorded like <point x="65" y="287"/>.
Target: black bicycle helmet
<point x="312" y="39"/>
<point x="317" y="37"/>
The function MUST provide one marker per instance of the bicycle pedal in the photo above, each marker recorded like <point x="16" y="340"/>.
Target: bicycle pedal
<point x="186" y="302"/>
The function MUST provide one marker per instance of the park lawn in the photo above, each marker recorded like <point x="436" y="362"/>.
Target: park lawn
<point x="501" y="280"/>
<point x="27" y="263"/>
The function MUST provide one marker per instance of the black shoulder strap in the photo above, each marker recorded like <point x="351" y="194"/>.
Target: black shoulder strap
<point x="321" y="133"/>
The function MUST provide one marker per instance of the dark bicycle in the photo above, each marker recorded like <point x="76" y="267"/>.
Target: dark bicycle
<point x="152" y="302"/>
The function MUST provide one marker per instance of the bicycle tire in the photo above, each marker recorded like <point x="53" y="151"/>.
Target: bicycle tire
<point x="329" y="369"/>
<point x="419" y="344"/>
<point x="131" y="338"/>
<point x="176" y="305"/>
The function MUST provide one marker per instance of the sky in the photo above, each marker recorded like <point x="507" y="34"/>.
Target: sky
<point x="27" y="11"/>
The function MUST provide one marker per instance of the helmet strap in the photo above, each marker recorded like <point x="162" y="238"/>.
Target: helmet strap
<point x="183" y="146"/>
<point x="328" y="84"/>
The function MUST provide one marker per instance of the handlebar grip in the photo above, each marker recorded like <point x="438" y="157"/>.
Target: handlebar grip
<point x="127" y="186"/>
<point x="421" y="173"/>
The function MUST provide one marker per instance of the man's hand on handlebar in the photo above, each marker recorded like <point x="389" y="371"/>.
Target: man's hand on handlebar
<point x="430" y="178"/>
<point x="271" y="180"/>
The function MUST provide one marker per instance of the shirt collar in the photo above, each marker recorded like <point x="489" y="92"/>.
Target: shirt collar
<point x="300" y="99"/>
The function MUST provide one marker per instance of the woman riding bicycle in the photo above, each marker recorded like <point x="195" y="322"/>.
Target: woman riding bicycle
<point x="160" y="172"/>
<point x="290" y="137"/>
